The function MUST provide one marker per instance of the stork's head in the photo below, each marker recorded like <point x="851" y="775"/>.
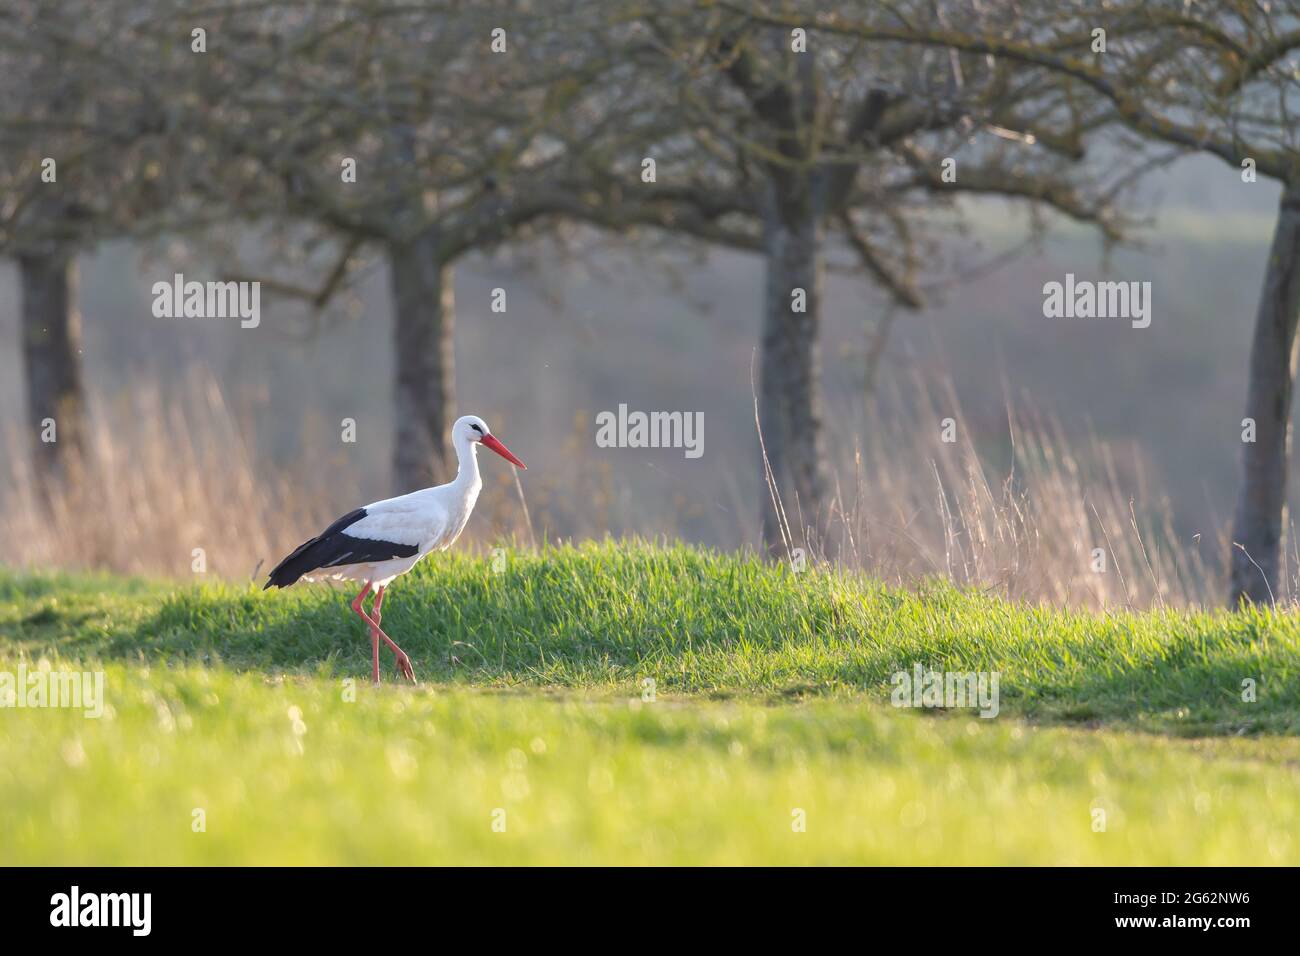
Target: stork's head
<point x="471" y="428"/>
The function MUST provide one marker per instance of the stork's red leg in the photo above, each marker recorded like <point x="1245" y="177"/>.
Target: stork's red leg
<point x="374" y="633"/>
<point x="403" y="662"/>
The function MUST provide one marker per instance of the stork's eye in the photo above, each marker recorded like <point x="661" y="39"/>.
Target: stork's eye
<point x="476" y="428"/>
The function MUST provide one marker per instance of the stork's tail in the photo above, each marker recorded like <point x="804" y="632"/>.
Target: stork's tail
<point x="293" y="567"/>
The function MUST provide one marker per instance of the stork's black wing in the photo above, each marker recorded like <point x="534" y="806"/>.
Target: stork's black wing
<point x="334" y="547"/>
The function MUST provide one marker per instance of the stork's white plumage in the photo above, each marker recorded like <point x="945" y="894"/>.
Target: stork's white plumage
<point x="376" y="543"/>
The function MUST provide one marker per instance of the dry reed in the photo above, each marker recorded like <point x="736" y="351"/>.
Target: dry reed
<point x="161" y="480"/>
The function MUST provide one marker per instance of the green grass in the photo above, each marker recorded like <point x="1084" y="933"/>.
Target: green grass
<point x="772" y="693"/>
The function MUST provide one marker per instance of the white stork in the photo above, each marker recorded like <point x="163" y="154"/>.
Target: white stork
<point x="376" y="543"/>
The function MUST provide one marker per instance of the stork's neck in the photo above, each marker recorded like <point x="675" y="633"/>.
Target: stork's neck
<point x="467" y="475"/>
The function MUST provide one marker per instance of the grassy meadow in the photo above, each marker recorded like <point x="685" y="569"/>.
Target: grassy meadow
<point x="632" y="703"/>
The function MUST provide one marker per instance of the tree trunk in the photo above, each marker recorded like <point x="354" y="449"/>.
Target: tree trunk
<point x="789" y="403"/>
<point x="51" y="334"/>
<point x="424" y="384"/>
<point x="1261" y="501"/>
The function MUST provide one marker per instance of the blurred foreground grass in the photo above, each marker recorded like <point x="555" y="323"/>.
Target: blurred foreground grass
<point x="772" y="697"/>
<point x="289" y="771"/>
<point x="610" y="615"/>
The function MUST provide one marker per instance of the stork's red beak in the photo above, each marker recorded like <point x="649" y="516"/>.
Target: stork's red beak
<point x="495" y="444"/>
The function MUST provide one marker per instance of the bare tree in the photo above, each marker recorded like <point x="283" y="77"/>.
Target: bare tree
<point x="79" y="144"/>
<point x="1215" y="78"/>
<point x="765" y="139"/>
<point x="42" y="223"/>
<point x="418" y="133"/>
<point x="466" y="125"/>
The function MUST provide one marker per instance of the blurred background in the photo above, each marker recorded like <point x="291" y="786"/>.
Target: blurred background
<point x="1072" y="434"/>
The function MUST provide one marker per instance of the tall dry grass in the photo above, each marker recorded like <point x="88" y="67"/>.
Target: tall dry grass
<point x="1059" y="524"/>
<point x="164" y="488"/>
<point x="173" y="486"/>
<point x="164" y="478"/>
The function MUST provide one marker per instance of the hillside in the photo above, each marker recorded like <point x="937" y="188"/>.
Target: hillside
<point x="626" y="701"/>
